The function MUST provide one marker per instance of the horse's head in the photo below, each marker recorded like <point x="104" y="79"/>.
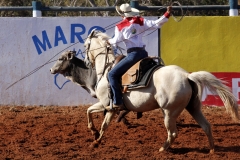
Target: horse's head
<point x="63" y="62"/>
<point x="95" y="45"/>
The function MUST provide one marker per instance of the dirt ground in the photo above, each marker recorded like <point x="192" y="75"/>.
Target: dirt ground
<point x="53" y="133"/>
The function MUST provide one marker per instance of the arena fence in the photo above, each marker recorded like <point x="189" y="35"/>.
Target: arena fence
<point x="37" y="8"/>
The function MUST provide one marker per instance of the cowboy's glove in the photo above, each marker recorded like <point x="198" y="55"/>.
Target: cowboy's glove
<point x="169" y="9"/>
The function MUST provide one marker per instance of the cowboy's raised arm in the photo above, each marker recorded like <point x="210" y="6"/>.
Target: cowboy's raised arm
<point x="159" y="22"/>
<point x="117" y="38"/>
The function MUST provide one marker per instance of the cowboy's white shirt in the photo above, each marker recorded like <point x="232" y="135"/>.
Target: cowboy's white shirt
<point x="131" y="30"/>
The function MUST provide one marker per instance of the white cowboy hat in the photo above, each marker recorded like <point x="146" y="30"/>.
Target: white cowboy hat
<point x="127" y="11"/>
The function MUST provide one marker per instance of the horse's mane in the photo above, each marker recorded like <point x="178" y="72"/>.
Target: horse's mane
<point x="101" y="35"/>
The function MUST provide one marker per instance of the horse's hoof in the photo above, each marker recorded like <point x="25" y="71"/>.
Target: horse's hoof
<point x="211" y="151"/>
<point x="125" y="122"/>
<point x="161" y="149"/>
<point x="118" y="120"/>
<point x="96" y="135"/>
<point x="94" y="144"/>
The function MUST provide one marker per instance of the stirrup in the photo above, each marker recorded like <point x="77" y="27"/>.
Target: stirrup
<point x="115" y="107"/>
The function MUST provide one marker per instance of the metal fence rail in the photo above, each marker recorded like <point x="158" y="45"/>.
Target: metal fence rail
<point x="37" y="8"/>
<point x="146" y="8"/>
<point x="23" y="8"/>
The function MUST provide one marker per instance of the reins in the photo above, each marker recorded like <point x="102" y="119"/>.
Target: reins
<point x="105" y="65"/>
<point x="107" y="49"/>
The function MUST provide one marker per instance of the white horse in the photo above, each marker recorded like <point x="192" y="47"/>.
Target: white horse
<point x="172" y="89"/>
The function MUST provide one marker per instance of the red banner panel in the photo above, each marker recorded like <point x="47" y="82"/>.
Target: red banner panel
<point x="232" y="80"/>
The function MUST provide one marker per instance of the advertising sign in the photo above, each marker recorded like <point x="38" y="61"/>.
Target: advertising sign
<point x="208" y="43"/>
<point x="28" y="45"/>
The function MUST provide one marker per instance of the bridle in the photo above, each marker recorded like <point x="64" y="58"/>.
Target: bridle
<point x="87" y="60"/>
<point x="92" y="35"/>
<point x="88" y="51"/>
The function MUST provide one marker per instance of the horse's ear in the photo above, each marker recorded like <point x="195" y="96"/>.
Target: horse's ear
<point x="74" y="53"/>
<point x="92" y="33"/>
<point x="71" y="54"/>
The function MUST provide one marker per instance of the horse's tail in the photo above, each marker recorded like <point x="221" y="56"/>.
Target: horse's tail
<point x="217" y="86"/>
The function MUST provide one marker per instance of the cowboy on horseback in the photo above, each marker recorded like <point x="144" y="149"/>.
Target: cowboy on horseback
<point x="170" y="89"/>
<point x="130" y="31"/>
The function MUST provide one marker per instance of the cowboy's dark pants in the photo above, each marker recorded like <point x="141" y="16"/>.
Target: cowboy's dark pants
<point x="118" y="70"/>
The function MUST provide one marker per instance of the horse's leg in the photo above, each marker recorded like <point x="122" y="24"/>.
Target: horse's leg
<point x="98" y="107"/>
<point x="196" y="113"/>
<point x="163" y="113"/>
<point x="170" y="124"/>
<point x="121" y="116"/>
<point x="108" y="117"/>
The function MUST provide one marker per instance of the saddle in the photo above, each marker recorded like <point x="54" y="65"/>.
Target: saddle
<point x="139" y="74"/>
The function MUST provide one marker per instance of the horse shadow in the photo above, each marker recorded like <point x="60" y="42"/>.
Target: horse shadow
<point x="184" y="150"/>
<point x="227" y="125"/>
<point x="136" y="125"/>
<point x="197" y="126"/>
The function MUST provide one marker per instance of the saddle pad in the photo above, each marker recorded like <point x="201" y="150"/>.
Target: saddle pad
<point x="145" y="79"/>
<point x="137" y="71"/>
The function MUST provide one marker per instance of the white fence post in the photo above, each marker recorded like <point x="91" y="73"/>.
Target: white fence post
<point x="233" y="7"/>
<point x="36" y="9"/>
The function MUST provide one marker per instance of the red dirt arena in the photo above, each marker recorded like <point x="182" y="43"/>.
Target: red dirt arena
<point x="53" y="133"/>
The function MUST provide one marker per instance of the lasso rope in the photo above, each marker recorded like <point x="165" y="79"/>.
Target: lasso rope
<point x="182" y="14"/>
<point x="106" y="28"/>
<point x="175" y="18"/>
